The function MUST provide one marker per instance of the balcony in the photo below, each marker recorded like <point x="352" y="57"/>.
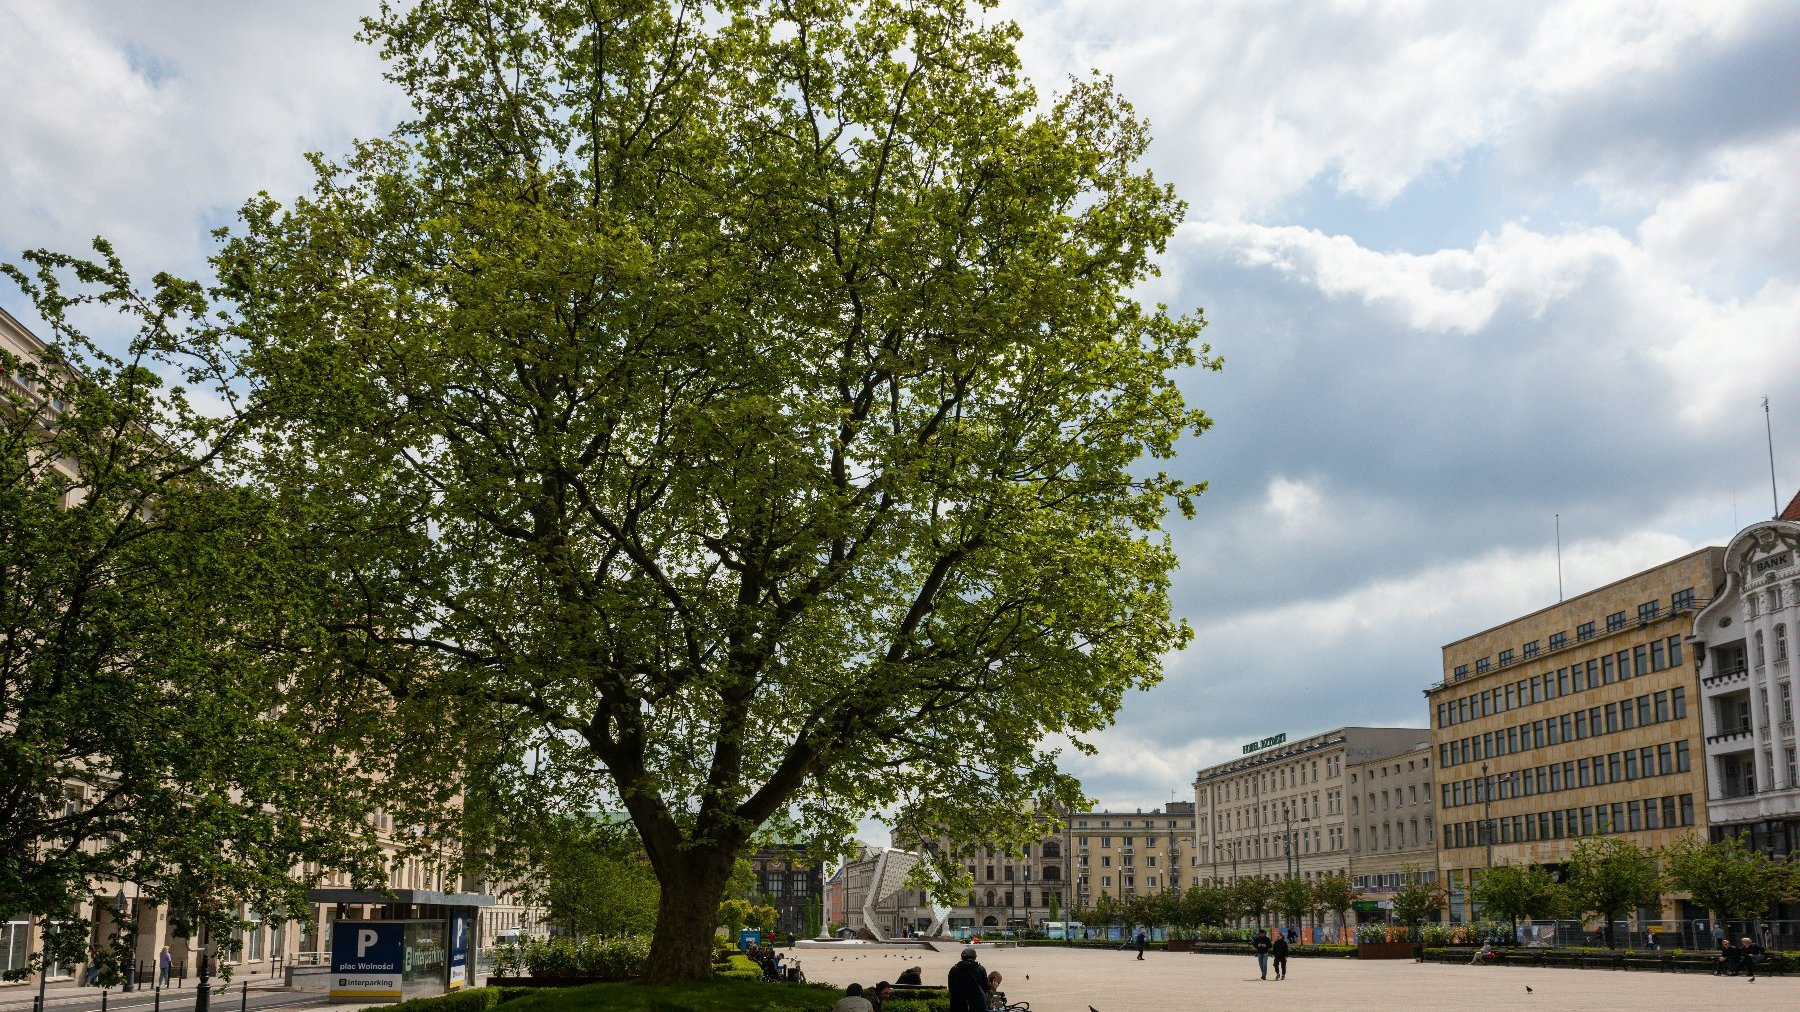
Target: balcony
<point x="1740" y="734"/>
<point x="1726" y="676"/>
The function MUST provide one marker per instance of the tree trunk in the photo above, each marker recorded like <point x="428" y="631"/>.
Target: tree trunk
<point x="686" y="915"/>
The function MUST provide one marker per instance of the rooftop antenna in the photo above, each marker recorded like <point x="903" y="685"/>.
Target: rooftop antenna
<point x="1769" y="430"/>
<point x="1559" y="585"/>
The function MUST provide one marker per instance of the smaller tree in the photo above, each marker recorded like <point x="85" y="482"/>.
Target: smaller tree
<point x="1209" y="902"/>
<point x="1417" y="901"/>
<point x="1609" y="876"/>
<point x="1514" y="891"/>
<point x="1251" y="897"/>
<point x="1727" y="878"/>
<point x="1293" y="898"/>
<point x="1335" y="893"/>
<point x="763" y="918"/>
<point x="734" y="914"/>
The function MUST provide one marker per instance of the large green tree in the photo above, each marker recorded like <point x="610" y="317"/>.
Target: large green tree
<point x="751" y="395"/>
<point x="1609" y="877"/>
<point x="1417" y="901"/>
<point x="1727" y="878"/>
<point x="1513" y="891"/>
<point x="145" y="750"/>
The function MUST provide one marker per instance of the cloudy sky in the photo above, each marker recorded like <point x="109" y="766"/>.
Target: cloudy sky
<point x="1471" y="266"/>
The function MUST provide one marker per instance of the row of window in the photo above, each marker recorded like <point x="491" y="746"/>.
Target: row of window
<point x="1637" y="662"/>
<point x="1643" y="711"/>
<point x="1125" y="823"/>
<point x="1648" y="612"/>
<point x="1126" y="881"/>
<point x="1561" y="823"/>
<point x="1596" y="771"/>
<point x="1389" y="881"/>
<point x="1050" y="872"/>
<point x="1125" y="841"/>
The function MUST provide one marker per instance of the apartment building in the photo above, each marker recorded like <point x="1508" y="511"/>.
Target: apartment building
<point x="1575" y="720"/>
<point x="1282" y="808"/>
<point x="1135" y="853"/>
<point x="1392" y="835"/>
<point x="1744" y="646"/>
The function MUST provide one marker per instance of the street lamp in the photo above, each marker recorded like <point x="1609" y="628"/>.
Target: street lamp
<point x="1287" y="841"/>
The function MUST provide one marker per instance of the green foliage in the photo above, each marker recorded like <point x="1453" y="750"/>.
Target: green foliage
<point x="145" y="599"/>
<point x="747" y="402"/>
<point x="1417" y="901"/>
<point x="712" y="995"/>
<point x="938" y="1004"/>
<point x="763" y="918"/>
<point x="1293" y="897"/>
<point x="1515" y="891"/>
<point x="739" y="967"/>
<point x="1205" y="903"/>
<point x="1609" y="876"/>
<point x="734" y="915"/>
<point x="613" y="958"/>
<point x="595" y="878"/>
<point x="1727" y="878"/>
<point x="479" y="999"/>
<point x="1251" y="897"/>
<point x="1335" y="893"/>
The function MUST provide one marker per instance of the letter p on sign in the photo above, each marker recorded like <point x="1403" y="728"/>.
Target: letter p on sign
<point x="365" y="939"/>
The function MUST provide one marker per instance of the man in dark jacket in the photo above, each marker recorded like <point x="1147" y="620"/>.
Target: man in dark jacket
<point x="1261" y="941"/>
<point x="1141" y="940"/>
<point x="968" y="984"/>
<point x="1280" y="951"/>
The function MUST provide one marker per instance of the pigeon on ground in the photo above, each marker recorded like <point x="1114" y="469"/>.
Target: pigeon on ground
<point x="1528" y="989"/>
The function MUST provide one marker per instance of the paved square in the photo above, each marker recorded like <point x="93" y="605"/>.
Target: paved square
<point x="1069" y="980"/>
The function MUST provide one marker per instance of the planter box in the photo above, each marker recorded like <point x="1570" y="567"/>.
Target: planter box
<point x="1181" y="945"/>
<point x="1387" y="950"/>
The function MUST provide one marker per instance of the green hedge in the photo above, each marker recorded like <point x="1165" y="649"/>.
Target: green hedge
<point x="616" y="958"/>
<point x="918" y="1005"/>
<point x="739" y="967"/>
<point x="479" y="999"/>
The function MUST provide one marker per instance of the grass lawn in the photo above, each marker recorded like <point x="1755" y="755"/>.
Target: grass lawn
<point x="711" y="996"/>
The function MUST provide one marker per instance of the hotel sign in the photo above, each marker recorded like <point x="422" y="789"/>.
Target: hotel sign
<point x="1274" y="739"/>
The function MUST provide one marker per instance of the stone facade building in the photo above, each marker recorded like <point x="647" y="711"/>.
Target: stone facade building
<point x="1576" y="720"/>
<point x="1122" y="854"/>
<point x="1392" y="825"/>
<point x="1283" y="808"/>
<point x="1744" y="645"/>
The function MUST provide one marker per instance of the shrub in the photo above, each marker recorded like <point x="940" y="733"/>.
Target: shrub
<point x="918" y="1005"/>
<point x="479" y="999"/>
<point x="613" y="958"/>
<point x="740" y="968"/>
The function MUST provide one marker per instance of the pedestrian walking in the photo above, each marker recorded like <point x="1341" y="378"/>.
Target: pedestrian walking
<point x="1142" y="940"/>
<point x="1261" y="941"/>
<point x="164" y="963"/>
<point x="1280" y="951"/>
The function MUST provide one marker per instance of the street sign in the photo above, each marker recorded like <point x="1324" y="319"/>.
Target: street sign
<point x="368" y="959"/>
<point x="459" y="950"/>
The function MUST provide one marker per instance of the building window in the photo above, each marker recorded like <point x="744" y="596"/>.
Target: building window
<point x="1506" y="657"/>
<point x="1615" y="621"/>
<point x="1558" y="640"/>
<point x="1482" y="665"/>
<point x="1584" y="631"/>
<point x="1647" y="612"/>
<point x="1681" y="599"/>
<point x="1761" y="657"/>
<point x="1462" y="671"/>
<point x="1781" y="642"/>
<point x="1531" y="649"/>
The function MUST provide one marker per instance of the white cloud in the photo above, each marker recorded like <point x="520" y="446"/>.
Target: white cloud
<point x="1253" y="100"/>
